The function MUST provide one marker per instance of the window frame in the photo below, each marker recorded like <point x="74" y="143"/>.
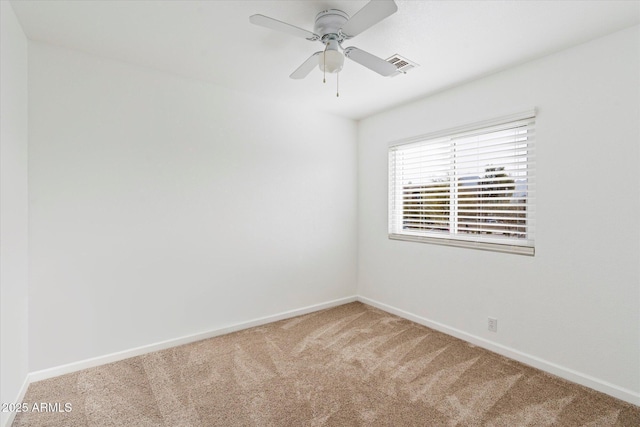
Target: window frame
<point x="524" y="246"/>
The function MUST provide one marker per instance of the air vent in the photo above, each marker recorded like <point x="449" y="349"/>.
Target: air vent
<point x="402" y="64"/>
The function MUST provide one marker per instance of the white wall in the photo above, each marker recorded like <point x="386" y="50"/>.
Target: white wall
<point x="576" y="304"/>
<point x="13" y="208"/>
<point x="162" y="207"/>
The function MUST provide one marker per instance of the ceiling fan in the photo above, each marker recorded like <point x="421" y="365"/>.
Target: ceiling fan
<point x="332" y="27"/>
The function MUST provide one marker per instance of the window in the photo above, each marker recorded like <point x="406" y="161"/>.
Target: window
<point x="471" y="186"/>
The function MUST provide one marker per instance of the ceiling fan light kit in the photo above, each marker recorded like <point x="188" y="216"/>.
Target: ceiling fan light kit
<point x="332" y="27"/>
<point x="331" y="60"/>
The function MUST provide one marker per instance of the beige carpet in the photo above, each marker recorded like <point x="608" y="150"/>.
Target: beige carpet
<point x="352" y="365"/>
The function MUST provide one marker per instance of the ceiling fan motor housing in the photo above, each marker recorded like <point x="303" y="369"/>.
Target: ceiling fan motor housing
<point x="329" y="22"/>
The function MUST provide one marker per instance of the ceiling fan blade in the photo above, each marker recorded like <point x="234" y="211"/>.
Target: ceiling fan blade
<point x="303" y="70"/>
<point x="274" y="24"/>
<point x="372" y="13"/>
<point x="370" y="61"/>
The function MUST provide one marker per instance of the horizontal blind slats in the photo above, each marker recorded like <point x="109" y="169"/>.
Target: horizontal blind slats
<point x="478" y="184"/>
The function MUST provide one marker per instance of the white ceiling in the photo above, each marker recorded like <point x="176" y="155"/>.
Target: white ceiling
<point x="453" y="41"/>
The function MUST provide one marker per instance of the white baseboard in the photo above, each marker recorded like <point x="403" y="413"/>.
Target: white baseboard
<point x="544" y="365"/>
<point x="114" y="357"/>
<point x="561" y="371"/>
<point x="8" y="417"/>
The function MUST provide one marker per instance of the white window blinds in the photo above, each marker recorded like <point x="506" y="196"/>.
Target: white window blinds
<point x="472" y="186"/>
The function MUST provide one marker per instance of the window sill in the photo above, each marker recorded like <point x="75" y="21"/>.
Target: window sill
<point x="493" y="247"/>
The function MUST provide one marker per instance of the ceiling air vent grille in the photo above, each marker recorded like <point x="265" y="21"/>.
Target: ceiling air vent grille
<point x="402" y="64"/>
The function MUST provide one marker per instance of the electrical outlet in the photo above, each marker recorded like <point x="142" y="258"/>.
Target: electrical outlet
<point x="492" y="324"/>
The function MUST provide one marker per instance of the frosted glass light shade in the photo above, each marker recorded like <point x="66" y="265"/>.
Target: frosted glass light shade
<point x="331" y="61"/>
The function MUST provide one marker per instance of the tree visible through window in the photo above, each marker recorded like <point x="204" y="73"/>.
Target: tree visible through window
<point x="473" y="185"/>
